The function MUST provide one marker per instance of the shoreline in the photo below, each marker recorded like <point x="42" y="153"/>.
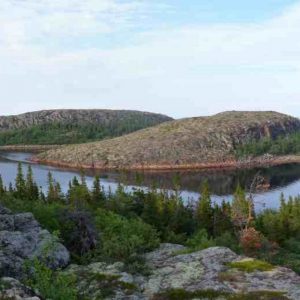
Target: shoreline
<point x="226" y="165"/>
<point x="29" y="148"/>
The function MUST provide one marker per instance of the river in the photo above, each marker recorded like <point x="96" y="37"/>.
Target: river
<point x="282" y="179"/>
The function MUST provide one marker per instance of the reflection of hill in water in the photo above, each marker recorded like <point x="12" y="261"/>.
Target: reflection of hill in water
<point x="221" y="182"/>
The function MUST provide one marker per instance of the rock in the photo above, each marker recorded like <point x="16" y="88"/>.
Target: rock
<point x="12" y="289"/>
<point x="104" y="281"/>
<point x="22" y="239"/>
<point x="199" y="271"/>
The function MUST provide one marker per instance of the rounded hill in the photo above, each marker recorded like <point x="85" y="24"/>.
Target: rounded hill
<point x="185" y="143"/>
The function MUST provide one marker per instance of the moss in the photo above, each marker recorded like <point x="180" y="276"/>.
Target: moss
<point x="251" y="265"/>
<point x="180" y="294"/>
<point x="107" y="284"/>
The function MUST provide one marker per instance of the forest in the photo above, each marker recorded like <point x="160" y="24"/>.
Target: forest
<point x="59" y="133"/>
<point x="97" y="225"/>
<point x="283" y="145"/>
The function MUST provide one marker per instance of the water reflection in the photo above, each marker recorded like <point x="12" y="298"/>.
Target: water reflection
<point x="284" y="179"/>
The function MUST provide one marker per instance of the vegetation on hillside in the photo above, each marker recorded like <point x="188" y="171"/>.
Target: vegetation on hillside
<point x="74" y="127"/>
<point x="103" y="226"/>
<point x="289" y="144"/>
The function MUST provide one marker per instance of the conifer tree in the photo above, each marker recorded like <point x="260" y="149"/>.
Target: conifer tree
<point x="2" y="189"/>
<point x="204" y="209"/>
<point x="51" y="195"/>
<point x="20" y="183"/>
<point x="32" y="190"/>
<point x="97" y="193"/>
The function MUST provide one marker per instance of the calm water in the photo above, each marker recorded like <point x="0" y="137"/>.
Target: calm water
<point x="284" y="179"/>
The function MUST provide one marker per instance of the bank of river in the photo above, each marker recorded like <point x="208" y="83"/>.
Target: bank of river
<point x="282" y="179"/>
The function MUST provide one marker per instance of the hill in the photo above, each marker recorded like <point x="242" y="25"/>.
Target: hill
<point x="73" y="126"/>
<point x="213" y="141"/>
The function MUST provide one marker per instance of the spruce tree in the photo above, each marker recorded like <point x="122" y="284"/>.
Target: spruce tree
<point x="32" y="190"/>
<point x="204" y="210"/>
<point x="97" y="193"/>
<point x="2" y="189"/>
<point x="20" y="183"/>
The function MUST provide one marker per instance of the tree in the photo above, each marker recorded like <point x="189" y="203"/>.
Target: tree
<point x="32" y="190"/>
<point x="98" y="196"/>
<point x="20" y="183"/>
<point x="240" y="209"/>
<point x="2" y="189"/>
<point x="204" y="210"/>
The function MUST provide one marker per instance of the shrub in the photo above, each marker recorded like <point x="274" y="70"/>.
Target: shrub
<point x="123" y="237"/>
<point x="78" y="231"/>
<point x="200" y="241"/>
<point x="50" y="284"/>
<point x="251" y="241"/>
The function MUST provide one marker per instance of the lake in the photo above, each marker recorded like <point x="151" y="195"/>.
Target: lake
<point x="282" y="179"/>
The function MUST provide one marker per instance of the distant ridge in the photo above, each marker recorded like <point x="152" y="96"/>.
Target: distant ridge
<point x="65" y="126"/>
<point x="187" y="143"/>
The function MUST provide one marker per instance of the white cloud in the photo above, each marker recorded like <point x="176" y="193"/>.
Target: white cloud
<point x="193" y="70"/>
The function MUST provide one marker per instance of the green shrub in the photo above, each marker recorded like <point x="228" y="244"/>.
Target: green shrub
<point x="50" y="284"/>
<point x="121" y="237"/>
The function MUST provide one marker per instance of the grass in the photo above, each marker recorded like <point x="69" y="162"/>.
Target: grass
<point x="251" y="265"/>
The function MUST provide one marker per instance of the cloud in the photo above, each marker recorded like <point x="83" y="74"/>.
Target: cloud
<point x="184" y="71"/>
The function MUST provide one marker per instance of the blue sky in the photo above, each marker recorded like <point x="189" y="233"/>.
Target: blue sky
<point x="181" y="58"/>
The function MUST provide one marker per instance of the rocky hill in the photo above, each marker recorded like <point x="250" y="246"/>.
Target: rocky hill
<point x="187" y="143"/>
<point x="73" y="126"/>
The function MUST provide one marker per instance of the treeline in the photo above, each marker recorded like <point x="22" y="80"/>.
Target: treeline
<point x="289" y="144"/>
<point x="104" y="226"/>
<point x="72" y="133"/>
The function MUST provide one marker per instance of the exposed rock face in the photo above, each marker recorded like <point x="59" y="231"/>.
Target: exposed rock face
<point x="203" y="270"/>
<point x="186" y="143"/>
<point x="11" y="288"/>
<point x="21" y="239"/>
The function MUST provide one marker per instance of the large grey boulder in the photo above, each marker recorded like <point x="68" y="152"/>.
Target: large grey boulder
<point x="22" y="239"/>
<point x="192" y="272"/>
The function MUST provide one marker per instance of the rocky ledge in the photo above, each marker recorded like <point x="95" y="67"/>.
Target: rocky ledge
<point x="190" y="275"/>
<point x="22" y="239"/>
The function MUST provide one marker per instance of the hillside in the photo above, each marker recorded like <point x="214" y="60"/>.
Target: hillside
<point x="72" y="126"/>
<point x="194" y="142"/>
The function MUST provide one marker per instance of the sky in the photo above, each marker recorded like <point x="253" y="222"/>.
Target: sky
<point x="182" y="58"/>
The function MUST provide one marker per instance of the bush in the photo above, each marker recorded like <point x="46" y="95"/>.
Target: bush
<point x="50" y="284"/>
<point x="123" y="237"/>
<point x="78" y="231"/>
<point x="251" y="241"/>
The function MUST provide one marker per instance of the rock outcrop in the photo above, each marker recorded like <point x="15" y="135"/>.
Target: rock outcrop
<point x="22" y="239"/>
<point x="199" y="271"/>
<point x="203" y="142"/>
<point x="12" y="289"/>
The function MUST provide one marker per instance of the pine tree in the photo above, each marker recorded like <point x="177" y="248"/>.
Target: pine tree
<point x="32" y="190"/>
<point x="51" y="195"/>
<point x="240" y="209"/>
<point x="2" y="189"/>
<point x="204" y="209"/>
<point x="20" y="183"/>
<point x="98" y="196"/>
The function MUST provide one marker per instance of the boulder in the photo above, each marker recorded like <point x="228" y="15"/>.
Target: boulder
<point x="193" y="273"/>
<point x="22" y="239"/>
<point x="11" y="288"/>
